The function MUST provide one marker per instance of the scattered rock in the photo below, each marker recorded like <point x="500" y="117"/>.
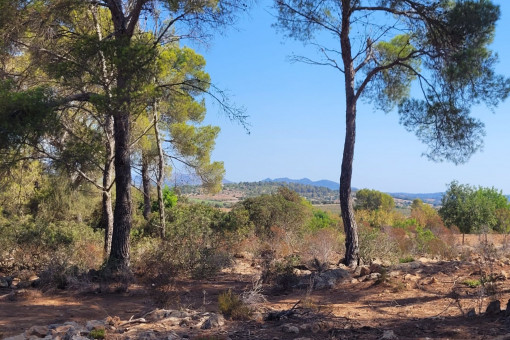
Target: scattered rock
<point x="328" y="279"/>
<point x="364" y="270"/>
<point x="493" y="308"/>
<point x="288" y="328"/>
<point x="95" y="324"/>
<point x="503" y="275"/>
<point x="173" y="336"/>
<point x="374" y="276"/>
<point x="388" y="335"/>
<point x="38" y="331"/>
<point x="411" y="277"/>
<point x="16" y="337"/>
<point x="354" y="280"/>
<point x="376" y="268"/>
<point x="214" y="321"/>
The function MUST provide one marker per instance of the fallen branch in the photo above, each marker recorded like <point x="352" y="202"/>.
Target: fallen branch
<point x="272" y="316"/>
<point x="139" y="320"/>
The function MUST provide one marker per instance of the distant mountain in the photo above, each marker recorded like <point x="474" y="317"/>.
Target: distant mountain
<point x="322" y="183"/>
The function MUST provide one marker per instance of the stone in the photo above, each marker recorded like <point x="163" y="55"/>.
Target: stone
<point x="493" y="308"/>
<point x="302" y="338"/>
<point x="3" y="282"/>
<point x="471" y="313"/>
<point x="173" y="336"/>
<point x="95" y="324"/>
<point x="364" y="270"/>
<point x="376" y="268"/>
<point x="411" y="277"/>
<point x="38" y="331"/>
<point x="214" y="321"/>
<point x="374" y="276"/>
<point x="288" y="328"/>
<point x="354" y="280"/>
<point x="503" y="275"/>
<point x="16" y="337"/>
<point x="177" y="314"/>
<point x="388" y="335"/>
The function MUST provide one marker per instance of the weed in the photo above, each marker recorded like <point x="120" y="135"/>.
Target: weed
<point x="98" y="333"/>
<point x="406" y="259"/>
<point x="472" y="283"/>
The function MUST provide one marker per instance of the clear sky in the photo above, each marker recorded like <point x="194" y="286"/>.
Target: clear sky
<point x="297" y="118"/>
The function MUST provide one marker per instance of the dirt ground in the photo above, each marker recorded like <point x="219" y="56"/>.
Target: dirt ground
<point x="424" y="299"/>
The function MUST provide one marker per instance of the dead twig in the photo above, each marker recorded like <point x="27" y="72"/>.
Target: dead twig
<point x="282" y="314"/>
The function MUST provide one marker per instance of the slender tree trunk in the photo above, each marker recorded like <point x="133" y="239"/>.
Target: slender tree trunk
<point x="146" y="185"/>
<point x="107" y="213"/>
<point x="161" y="172"/>
<point x="347" y="210"/>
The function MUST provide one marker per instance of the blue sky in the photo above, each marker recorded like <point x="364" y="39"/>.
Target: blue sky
<point x="297" y="118"/>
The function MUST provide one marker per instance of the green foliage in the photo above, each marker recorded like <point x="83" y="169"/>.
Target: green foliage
<point x="97" y="333"/>
<point x="406" y="259"/>
<point x="285" y="210"/>
<point x="374" y="200"/>
<point x="321" y="220"/>
<point x="232" y="306"/>
<point x="169" y="199"/>
<point x="471" y="208"/>
<point x="472" y="283"/>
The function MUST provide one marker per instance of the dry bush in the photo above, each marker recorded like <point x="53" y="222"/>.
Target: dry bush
<point x="322" y="245"/>
<point x="401" y="238"/>
<point x="374" y="243"/>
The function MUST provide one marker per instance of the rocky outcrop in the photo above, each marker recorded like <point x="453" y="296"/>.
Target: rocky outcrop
<point x="157" y="324"/>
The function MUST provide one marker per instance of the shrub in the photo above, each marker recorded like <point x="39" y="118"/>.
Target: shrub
<point x="231" y="305"/>
<point x="281" y="272"/>
<point x="376" y="244"/>
<point x="322" y="245"/>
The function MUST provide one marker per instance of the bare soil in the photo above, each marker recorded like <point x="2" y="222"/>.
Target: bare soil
<point x="425" y="299"/>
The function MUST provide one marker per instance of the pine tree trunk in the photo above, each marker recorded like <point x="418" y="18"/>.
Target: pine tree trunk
<point x="347" y="210"/>
<point x="119" y="256"/>
<point x="107" y="213"/>
<point x="146" y="185"/>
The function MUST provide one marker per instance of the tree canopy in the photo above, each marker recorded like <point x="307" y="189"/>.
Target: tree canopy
<point x="374" y="200"/>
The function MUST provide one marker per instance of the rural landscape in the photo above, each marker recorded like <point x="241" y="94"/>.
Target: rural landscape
<point x="118" y="222"/>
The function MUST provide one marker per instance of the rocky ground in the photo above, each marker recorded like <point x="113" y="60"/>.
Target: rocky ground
<point x="423" y="299"/>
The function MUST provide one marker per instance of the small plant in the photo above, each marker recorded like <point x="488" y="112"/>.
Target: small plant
<point x="472" y="283"/>
<point x="406" y="259"/>
<point x="232" y="306"/>
<point x="97" y="333"/>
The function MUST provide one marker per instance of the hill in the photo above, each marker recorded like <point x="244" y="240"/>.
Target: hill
<point x="322" y="183"/>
